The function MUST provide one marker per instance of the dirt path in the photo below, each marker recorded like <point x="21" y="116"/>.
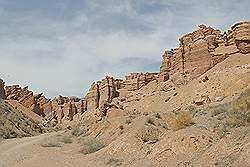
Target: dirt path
<point x="27" y="152"/>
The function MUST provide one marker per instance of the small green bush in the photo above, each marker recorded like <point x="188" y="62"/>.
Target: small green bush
<point x="157" y="115"/>
<point x="51" y="143"/>
<point x="91" y="146"/>
<point x="121" y="127"/>
<point x="67" y="140"/>
<point x="150" y="121"/>
<point x="114" y="162"/>
<point x="239" y="115"/>
<point x="128" y="121"/>
<point x="77" y="132"/>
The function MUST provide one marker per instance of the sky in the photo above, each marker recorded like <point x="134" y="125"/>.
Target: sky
<point x="60" y="47"/>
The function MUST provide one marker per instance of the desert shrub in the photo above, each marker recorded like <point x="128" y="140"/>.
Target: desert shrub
<point x="150" y="121"/>
<point x="223" y="130"/>
<point x="128" y="121"/>
<point x="164" y="125"/>
<point x="239" y="114"/>
<point x="219" y="110"/>
<point x="181" y="120"/>
<point x="149" y="134"/>
<point x="237" y="119"/>
<point x="91" y="146"/>
<point x="157" y="115"/>
<point x="114" y="162"/>
<point x="51" y="143"/>
<point x="67" y="139"/>
<point x="121" y="127"/>
<point x="77" y="132"/>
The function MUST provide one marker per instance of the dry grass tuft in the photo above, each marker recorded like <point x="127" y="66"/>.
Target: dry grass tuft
<point x="239" y="115"/>
<point x="182" y="120"/>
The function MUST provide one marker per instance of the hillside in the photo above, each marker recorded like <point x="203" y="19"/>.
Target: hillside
<point x="14" y="124"/>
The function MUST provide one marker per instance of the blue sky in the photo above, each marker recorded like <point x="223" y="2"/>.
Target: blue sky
<point x="62" y="46"/>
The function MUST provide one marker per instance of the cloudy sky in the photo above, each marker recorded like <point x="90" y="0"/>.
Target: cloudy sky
<point x="62" y="46"/>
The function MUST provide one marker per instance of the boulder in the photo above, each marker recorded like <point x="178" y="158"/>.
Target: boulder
<point x="202" y="100"/>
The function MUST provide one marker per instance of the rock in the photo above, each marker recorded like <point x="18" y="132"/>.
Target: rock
<point x="2" y="91"/>
<point x="135" y="81"/>
<point x="163" y="77"/>
<point x="219" y="98"/>
<point x="194" y="56"/>
<point x="167" y="99"/>
<point x="204" y="79"/>
<point x="241" y="35"/>
<point x="93" y="97"/>
<point x="204" y="99"/>
<point x="176" y="109"/>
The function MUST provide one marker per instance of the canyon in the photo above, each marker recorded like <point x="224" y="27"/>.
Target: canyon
<point x="207" y="70"/>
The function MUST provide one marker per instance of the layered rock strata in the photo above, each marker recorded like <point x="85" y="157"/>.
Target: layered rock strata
<point x="201" y="50"/>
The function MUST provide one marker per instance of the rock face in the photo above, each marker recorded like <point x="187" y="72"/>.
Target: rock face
<point x="198" y="52"/>
<point x="24" y="97"/>
<point x="104" y="91"/>
<point x="202" y="49"/>
<point x="2" y="91"/>
<point x="101" y="92"/>
<point x="135" y="81"/>
<point x="241" y="36"/>
<point x="36" y="103"/>
<point x="193" y="57"/>
<point x="64" y="108"/>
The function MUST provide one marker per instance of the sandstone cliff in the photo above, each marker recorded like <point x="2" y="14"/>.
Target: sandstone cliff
<point x="198" y="52"/>
<point x="201" y="50"/>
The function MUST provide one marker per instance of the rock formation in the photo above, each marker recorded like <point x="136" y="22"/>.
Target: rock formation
<point x="24" y="97"/>
<point x="241" y="36"/>
<point x="202" y="49"/>
<point x="64" y="108"/>
<point x="134" y="81"/>
<point x="2" y="91"/>
<point x="198" y="52"/>
<point x="101" y="92"/>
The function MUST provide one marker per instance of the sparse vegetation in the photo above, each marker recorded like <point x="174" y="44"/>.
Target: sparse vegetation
<point x="121" y="127"/>
<point x="77" y="132"/>
<point x="219" y="110"/>
<point x="51" y="143"/>
<point x="150" y="121"/>
<point x="15" y="124"/>
<point x="114" y="162"/>
<point x="67" y="140"/>
<point x="157" y="115"/>
<point x="239" y="115"/>
<point x="149" y="135"/>
<point x="91" y="146"/>
<point x="181" y="120"/>
<point x="128" y="121"/>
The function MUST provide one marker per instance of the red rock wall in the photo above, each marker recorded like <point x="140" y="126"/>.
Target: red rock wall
<point x="193" y="57"/>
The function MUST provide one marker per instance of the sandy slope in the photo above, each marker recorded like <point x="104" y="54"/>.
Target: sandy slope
<point x="27" y="152"/>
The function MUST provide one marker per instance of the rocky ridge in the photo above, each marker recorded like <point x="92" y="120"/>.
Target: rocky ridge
<point x="197" y="53"/>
